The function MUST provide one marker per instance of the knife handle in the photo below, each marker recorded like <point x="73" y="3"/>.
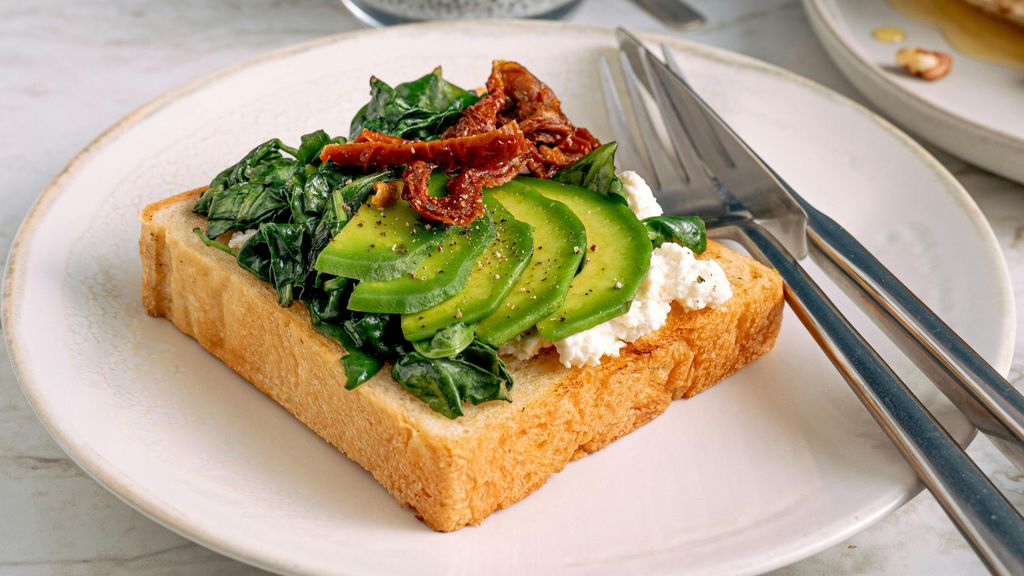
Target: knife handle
<point x="971" y="384"/>
<point x="988" y="521"/>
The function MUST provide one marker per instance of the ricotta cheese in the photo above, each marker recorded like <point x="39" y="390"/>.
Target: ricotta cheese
<point x="588" y="347"/>
<point x="238" y="239"/>
<point x="524" y="346"/>
<point x="639" y="195"/>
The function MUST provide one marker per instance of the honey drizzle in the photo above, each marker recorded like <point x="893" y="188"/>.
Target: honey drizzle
<point x="889" y="34"/>
<point x="970" y="30"/>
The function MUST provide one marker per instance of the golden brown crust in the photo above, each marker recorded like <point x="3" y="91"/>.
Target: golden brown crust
<point x="452" y="473"/>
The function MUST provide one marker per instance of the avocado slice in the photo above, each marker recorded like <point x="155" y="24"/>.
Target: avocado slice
<point x="439" y="276"/>
<point x="490" y="280"/>
<point x="558" y="242"/>
<point x="380" y="244"/>
<point x="618" y="254"/>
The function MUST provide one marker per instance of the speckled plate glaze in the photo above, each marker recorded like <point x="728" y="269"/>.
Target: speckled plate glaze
<point x="975" y="112"/>
<point x="770" y="466"/>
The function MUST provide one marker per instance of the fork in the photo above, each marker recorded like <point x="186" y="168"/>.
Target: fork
<point x="707" y="170"/>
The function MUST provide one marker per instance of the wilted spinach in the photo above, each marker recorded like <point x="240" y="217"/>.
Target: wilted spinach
<point x="212" y="243"/>
<point x="445" y="383"/>
<point x="297" y="204"/>
<point x="312" y="144"/>
<point x="595" y="171"/>
<point x="248" y="193"/>
<point x="277" y="253"/>
<point x="325" y="309"/>
<point x="447" y="342"/>
<point x="686" y="231"/>
<point x="417" y="110"/>
<point x="378" y="334"/>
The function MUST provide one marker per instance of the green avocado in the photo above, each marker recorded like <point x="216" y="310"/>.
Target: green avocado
<point x="380" y="244"/>
<point x="618" y="254"/>
<point x="439" y="276"/>
<point x="558" y="242"/>
<point x="490" y="280"/>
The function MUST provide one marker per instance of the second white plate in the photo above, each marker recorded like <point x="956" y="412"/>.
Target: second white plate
<point x="768" y="467"/>
<point x="975" y="112"/>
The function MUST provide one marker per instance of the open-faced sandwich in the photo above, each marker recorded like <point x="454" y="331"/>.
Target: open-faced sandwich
<point x="481" y="297"/>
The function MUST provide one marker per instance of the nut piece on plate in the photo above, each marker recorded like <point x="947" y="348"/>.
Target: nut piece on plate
<point x="385" y="193"/>
<point x="927" y="64"/>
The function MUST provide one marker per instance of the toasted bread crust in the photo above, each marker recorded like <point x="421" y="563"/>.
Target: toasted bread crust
<point x="451" y="472"/>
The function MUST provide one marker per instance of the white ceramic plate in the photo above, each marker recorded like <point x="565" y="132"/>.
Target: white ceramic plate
<point x="975" y="112"/>
<point x="772" y="465"/>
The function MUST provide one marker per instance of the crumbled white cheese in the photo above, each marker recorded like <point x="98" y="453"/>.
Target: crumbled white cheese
<point x="639" y="195"/>
<point x="588" y="347"/>
<point x="238" y="239"/>
<point x="675" y="275"/>
<point x="524" y="346"/>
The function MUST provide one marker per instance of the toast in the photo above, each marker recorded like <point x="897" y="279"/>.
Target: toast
<point x="450" y="472"/>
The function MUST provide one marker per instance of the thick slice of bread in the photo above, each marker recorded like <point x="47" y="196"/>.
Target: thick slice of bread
<point x="451" y="472"/>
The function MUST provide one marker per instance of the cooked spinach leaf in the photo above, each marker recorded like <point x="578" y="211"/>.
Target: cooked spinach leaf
<point x="325" y="308"/>
<point x="431" y="381"/>
<point x="359" y="367"/>
<point x="595" y="171"/>
<point x="277" y="254"/>
<point x="378" y="334"/>
<point x="445" y="383"/>
<point x="243" y="206"/>
<point x="447" y="342"/>
<point x="212" y="243"/>
<point x="486" y="357"/>
<point x="250" y="192"/>
<point x="417" y="110"/>
<point x="273" y="173"/>
<point x="312" y="144"/>
<point x="683" y="230"/>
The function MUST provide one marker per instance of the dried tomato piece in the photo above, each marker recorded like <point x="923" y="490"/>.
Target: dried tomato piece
<point x="459" y="207"/>
<point x="518" y="125"/>
<point x="375" y="151"/>
<point x="556" y="142"/>
<point x="479" y="178"/>
<point x="483" y="115"/>
<point x="371" y="136"/>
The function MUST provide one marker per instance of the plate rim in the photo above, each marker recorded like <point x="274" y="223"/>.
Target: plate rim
<point x="165" y="515"/>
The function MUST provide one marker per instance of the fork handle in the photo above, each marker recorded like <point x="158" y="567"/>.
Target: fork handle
<point x="972" y="384"/>
<point x="984" y="516"/>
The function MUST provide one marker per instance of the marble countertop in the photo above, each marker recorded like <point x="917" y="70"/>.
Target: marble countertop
<point x="71" y="69"/>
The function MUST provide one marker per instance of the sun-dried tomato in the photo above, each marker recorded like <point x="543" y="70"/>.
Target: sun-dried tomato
<point x="517" y="125"/>
<point x="375" y="151"/>
<point x="556" y="142"/>
<point x="460" y="206"/>
<point x="483" y="115"/>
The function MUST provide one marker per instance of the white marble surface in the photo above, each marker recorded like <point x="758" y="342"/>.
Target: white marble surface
<point x="68" y="70"/>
